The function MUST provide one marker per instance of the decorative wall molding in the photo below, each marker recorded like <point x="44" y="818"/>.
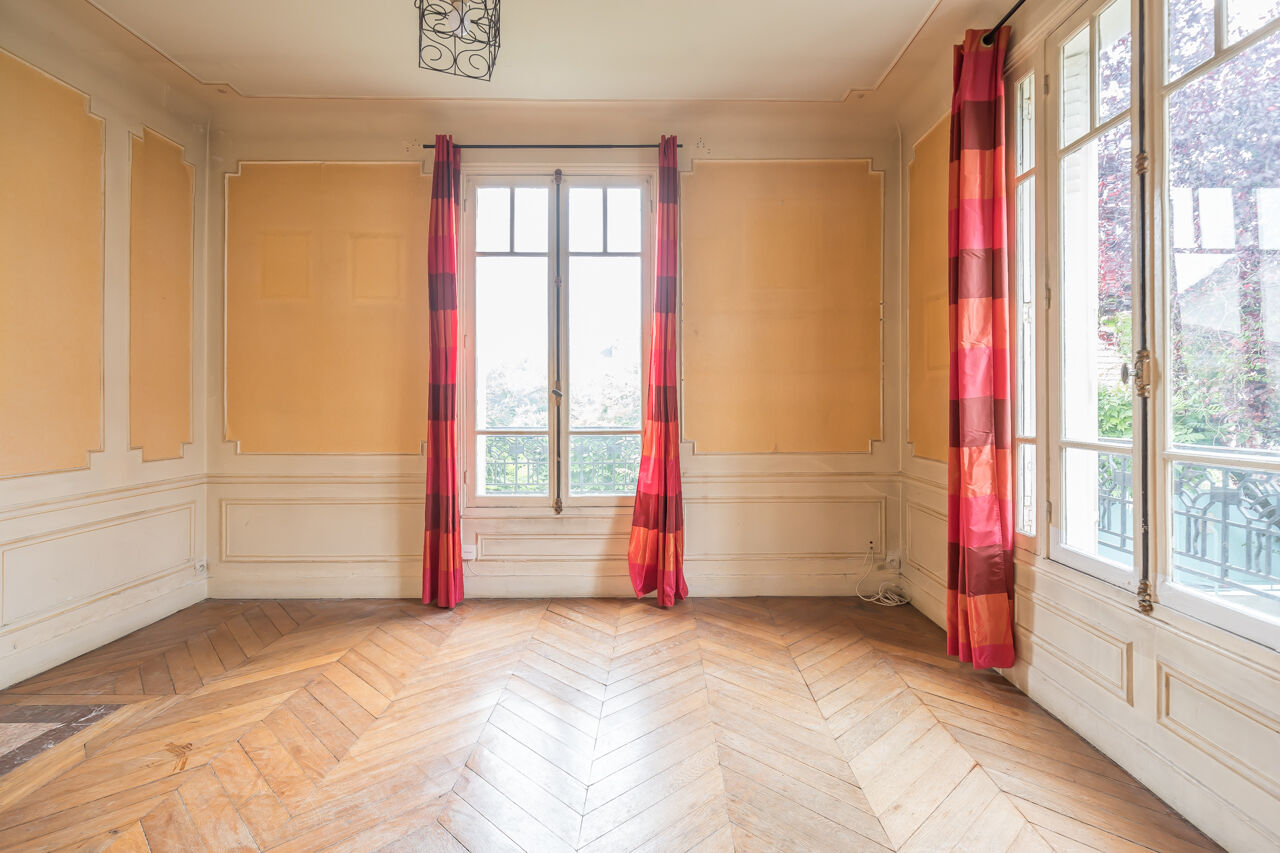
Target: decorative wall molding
<point x="100" y="496"/>
<point x="1029" y="607"/>
<point x="71" y="230"/>
<point x="230" y="506"/>
<point x="27" y="570"/>
<point x="539" y="547"/>
<point x="913" y="537"/>
<point x="1255" y="752"/>
<point x="146" y="279"/>
<point x="711" y="185"/>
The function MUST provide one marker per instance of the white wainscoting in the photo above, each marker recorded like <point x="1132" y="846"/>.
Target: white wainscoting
<point x="63" y="568"/>
<point x="1188" y="709"/>
<point x="749" y="532"/>
<point x="76" y="573"/>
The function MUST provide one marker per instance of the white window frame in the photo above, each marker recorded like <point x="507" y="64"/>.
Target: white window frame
<point x="1164" y="454"/>
<point x="1054" y="154"/>
<point x="543" y="175"/>
<point x="1028" y="543"/>
<point x="1161" y="455"/>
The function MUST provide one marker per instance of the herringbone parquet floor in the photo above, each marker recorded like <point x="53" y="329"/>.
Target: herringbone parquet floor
<point x="593" y="725"/>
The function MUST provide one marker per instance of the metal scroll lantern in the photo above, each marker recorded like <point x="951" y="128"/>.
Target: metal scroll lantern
<point x="458" y="37"/>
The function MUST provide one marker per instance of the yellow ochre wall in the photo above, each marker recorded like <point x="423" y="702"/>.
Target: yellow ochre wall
<point x="928" y="348"/>
<point x="327" y="307"/>
<point x="782" y="292"/>
<point x="50" y="273"/>
<point x="162" y="193"/>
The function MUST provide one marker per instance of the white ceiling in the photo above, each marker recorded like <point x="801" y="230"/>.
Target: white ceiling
<point x="815" y="50"/>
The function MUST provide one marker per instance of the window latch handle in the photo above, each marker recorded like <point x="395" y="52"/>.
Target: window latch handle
<point x="1138" y="373"/>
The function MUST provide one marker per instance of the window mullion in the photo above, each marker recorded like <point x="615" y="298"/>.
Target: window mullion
<point x="557" y="355"/>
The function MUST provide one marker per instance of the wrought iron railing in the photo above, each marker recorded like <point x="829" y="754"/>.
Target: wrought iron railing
<point x="1226" y="524"/>
<point x="1115" y="503"/>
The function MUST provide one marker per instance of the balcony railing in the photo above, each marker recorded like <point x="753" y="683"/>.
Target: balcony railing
<point x="1226" y="527"/>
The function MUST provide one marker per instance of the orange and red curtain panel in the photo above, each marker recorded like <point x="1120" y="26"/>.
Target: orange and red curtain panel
<point x="655" y="556"/>
<point x="980" y="473"/>
<point x="442" y="542"/>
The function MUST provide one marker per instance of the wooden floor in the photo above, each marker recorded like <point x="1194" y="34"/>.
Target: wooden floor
<point x="721" y="724"/>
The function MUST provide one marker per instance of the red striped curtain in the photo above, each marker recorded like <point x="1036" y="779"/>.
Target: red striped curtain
<point x="980" y="471"/>
<point x="442" y="542"/>
<point x="656" y="553"/>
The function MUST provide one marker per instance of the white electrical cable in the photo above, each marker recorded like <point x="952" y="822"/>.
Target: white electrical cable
<point x="883" y="596"/>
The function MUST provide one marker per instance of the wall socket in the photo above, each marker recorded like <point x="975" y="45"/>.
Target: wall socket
<point x="468" y="552"/>
<point x="202" y="568"/>
<point x="893" y="563"/>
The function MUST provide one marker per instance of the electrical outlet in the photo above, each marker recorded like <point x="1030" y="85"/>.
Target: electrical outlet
<point x="893" y="563"/>
<point x="468" y="552"/>
<point x="202" y="567"/>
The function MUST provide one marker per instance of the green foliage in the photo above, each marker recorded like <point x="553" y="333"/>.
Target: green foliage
<point x="1115" y="411"/>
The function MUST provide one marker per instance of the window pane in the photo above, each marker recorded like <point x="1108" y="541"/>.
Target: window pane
<point x="1246" y="16"/>
<point x="1226" y="535"/>
<point x="604" y="343"/>
<point x="1114" y="55"/>
<point x="1225" y="268"/>
<point x="511" y="343"/>
<point x="586" y="219"/>
<point x="603" y="464"/>
<point x="1190" y="39"/>
<point x="1097" y="518"/>
<point x="1075" y="87"/>
<point x="1026" y="520"/>
<point x="531" y="219"/>
<point x="1026" y="129"/>
<point x="493" y="219"/>
<point x="624" y="219"/>
<point x="512" y="465"/>
<point x="1026" y="327"/>
<point x="1097" y="304"/>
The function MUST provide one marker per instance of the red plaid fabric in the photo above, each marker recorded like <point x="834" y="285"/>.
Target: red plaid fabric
<point x="656" y="553"/>
<point x="442" y="542"/>
<point x="980" y="470"/>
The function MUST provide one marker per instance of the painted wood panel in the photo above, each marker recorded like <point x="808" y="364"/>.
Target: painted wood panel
<point x="327" y="307"/>
<point x="50" y="273"/>
<point x="162" y="187"/>
<point x="928" y="345"/>
<point x="781" y="306"/>
<point x="334" y="530"/>
<point x="71" y="565"/>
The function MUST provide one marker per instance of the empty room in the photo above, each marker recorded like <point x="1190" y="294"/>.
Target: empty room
<point x="456" y="425"/>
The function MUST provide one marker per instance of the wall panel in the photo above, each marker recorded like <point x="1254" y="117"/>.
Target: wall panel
<point x="48" y="572"/>
<point x="162" y="194"/>
<point x="51" y="245"/>
<point x="303" y="530"/>
<point x="326" y="328"/>
<point x="781" y="306"/>
<point x="928" y="337"/>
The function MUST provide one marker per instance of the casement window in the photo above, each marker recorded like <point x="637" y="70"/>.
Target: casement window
<point x="1025" y="301"/>
<point x="556" y="271"/>
<point x="1160" y="385"/>
<point x="1093" y="260"/>
<point x="1217" y="412"/>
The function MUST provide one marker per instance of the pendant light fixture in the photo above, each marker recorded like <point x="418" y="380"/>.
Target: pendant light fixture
<point x="458" y="37"/>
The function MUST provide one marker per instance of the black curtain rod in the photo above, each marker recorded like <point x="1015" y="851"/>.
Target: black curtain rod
<point x="645" y="145"/>
<point x="1007" y="15"/>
